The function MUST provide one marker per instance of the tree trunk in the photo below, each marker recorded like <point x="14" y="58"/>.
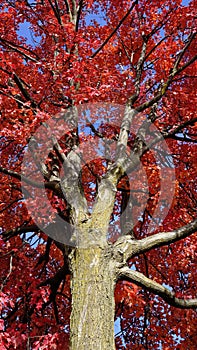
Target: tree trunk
<point x="92" y="287"/>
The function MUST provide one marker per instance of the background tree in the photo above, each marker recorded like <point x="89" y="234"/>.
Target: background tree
<point x="138" y="55"/>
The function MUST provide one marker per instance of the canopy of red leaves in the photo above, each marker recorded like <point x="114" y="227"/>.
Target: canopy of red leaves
<point x="51" y="58"/>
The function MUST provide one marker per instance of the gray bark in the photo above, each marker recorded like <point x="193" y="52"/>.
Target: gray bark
<point x="92" y="287"/>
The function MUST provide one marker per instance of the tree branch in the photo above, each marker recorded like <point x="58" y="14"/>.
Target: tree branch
<point x="8" y="275"/>
<point x="19" y="101"/>
<point x="56" y="280"/>
<point x="25" y="93"/>
<point x="163" y="238"/>
<point x="19" y="49"/>
<point x="19" y="230"/>
<point x="10" y="204"/>
<point x="156" y="288"/>
<point x="139" y="70"/>
<point x="70" y="183"/>
<point x="129" y="248"/>
<point x="115" y="30"/>
<point x="67" y="7"/>
<point x="55" y="9"/>
<point x="50" y="185"/>
<point x="183" y="139"/>
<point x="181" y="54"/>
<point x="165" y="85"/>
<point x="129" y="115"/>
<point x="79" y="9"/>
<point x="168" y="134"/>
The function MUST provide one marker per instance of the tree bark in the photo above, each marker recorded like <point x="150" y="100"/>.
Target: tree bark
<point x="92" y="287"/>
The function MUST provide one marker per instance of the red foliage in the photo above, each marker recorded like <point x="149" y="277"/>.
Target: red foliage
<point x="43" y="74"/>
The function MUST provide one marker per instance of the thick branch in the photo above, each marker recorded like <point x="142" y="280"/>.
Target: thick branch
<point x="56" y="11"/>
<point x="79" y="9"/>
<point x="45" y="257"/>
<point x="183" y="139"/>
<point x="163" y="238"/>
<point x="70" y="183"/>
<point x="25" y="93"/>
<point x="20" y="230"/>
<point x="156" y="288"/>
<point x="173" y="132"/>
<point x="139" y="70"/>
<point x="103" y="206"/>
<point x="129" y="247"/>
<point x="68" y="8"/>
<point x="56" y="280"/>
<point x="129" y="114"/>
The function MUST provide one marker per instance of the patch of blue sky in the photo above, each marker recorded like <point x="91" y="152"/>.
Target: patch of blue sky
<point x="118" y="332"/>
<point x="185" y="2"/>
<point x="167" y="287"/>
<point x="97" y="17"/>
<point x="27" y="33"/>
<point x="32" y="238"/>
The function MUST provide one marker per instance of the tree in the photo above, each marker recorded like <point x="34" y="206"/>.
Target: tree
<point x="82" y="64"/>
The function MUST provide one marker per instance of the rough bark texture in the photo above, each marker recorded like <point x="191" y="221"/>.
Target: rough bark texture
<point x="92" y="317"/>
